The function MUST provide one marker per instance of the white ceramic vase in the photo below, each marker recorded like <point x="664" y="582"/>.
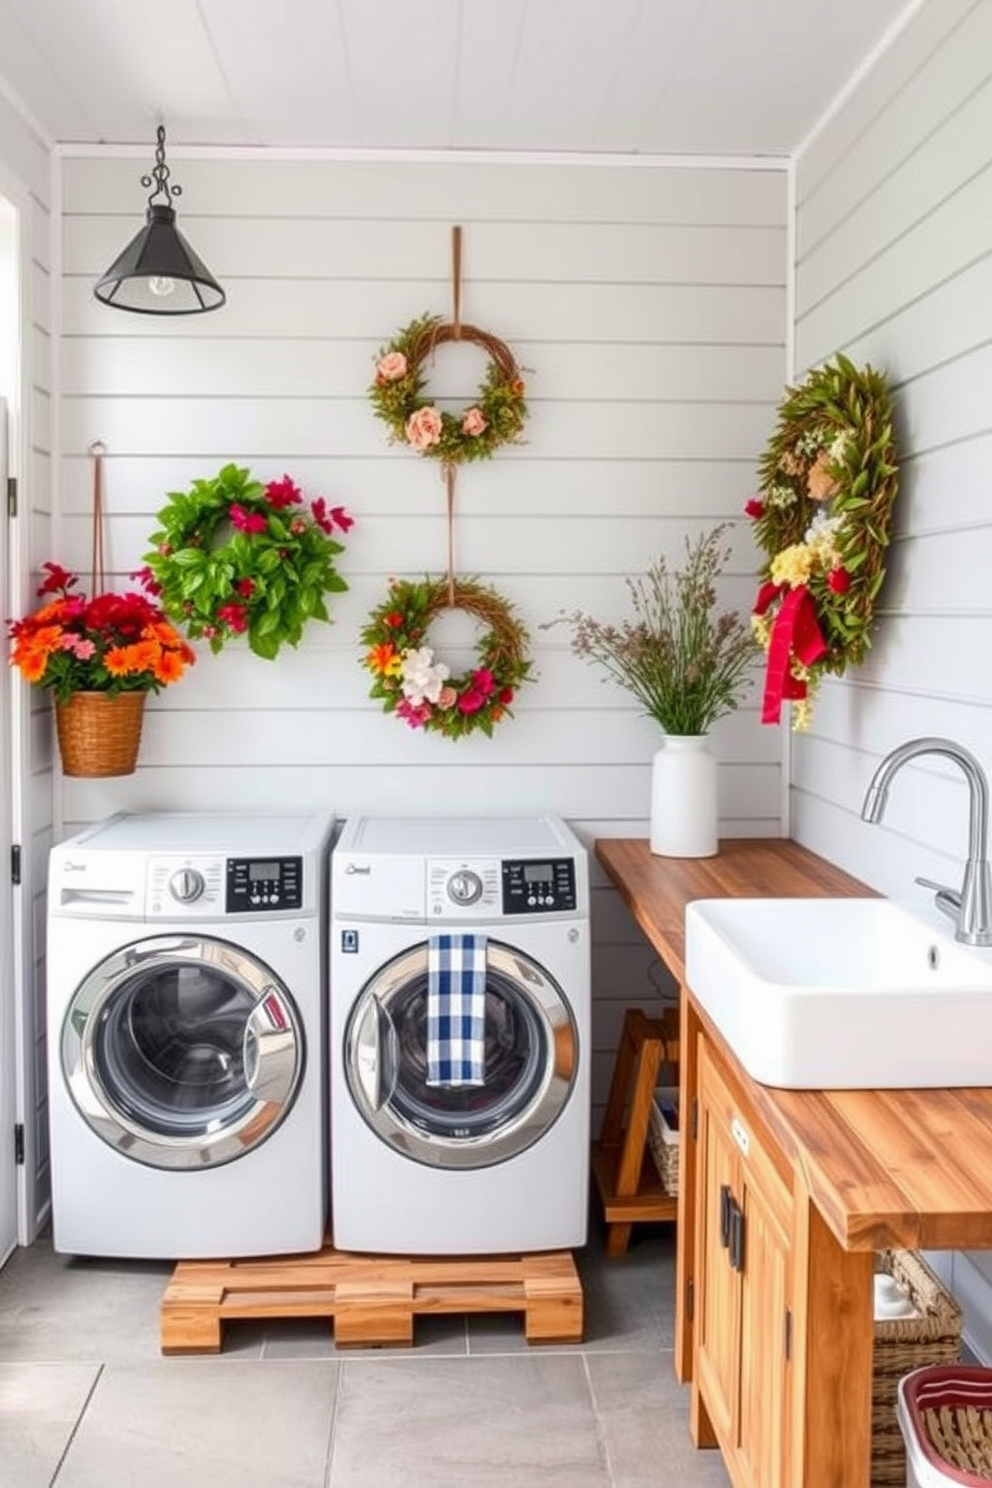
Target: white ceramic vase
<point x="683" y="798"/>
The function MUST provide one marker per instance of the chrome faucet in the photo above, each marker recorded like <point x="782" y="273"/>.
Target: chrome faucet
<point x="971" y="906"/>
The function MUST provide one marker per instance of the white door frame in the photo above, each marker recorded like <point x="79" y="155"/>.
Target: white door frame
<point x="16" y="1028"/>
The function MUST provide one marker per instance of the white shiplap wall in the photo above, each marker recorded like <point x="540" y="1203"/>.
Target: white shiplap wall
<point x="894" y="266"/>
<point x="648" y="302"/>
<point x="25" y="183"/>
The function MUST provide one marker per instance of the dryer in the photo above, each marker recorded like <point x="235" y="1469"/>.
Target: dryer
<point x="187" y="1035"/>
<point x="500" y="1166"/>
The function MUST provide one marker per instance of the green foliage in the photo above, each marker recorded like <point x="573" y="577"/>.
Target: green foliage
<point x="232" y="556"/>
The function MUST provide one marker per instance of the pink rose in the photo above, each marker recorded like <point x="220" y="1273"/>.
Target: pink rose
<point x="391" y="367"/>
<point x="474" y="422"/>
<point x="447" y="698"/>
<point x="423" y="428"/>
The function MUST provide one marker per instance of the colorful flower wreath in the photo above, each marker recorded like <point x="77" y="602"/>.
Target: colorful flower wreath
<point x="422" y="691"/>
<point x="233" y="557"/>
<point x="828" y="480"/>
<point x="496" y="417"/>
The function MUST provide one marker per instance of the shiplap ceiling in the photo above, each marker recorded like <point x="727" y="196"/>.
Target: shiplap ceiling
<point x="601" y="76"/>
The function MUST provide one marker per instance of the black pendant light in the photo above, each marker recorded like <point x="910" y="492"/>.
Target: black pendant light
<point x="158" y="273"/>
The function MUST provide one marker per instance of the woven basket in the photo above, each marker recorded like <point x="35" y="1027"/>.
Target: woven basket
<point x="663" y="1139"/>
<point x="98" y="734"/>
<point x="902" y="1344"/>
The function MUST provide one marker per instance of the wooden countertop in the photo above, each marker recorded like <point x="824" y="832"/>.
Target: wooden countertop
<point x="910" y="1169"/>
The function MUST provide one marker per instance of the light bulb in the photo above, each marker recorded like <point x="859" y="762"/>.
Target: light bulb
<point x="161" y="286"/>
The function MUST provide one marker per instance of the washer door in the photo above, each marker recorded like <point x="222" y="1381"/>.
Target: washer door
<point x="182" y="1051"/>
<point x="531" y="1063"/>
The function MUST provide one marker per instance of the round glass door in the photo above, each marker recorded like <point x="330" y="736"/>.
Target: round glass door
<point x="531" y="1056"/>
<point x="182" y="1051"/>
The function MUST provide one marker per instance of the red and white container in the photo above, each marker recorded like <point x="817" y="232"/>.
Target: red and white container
<point x="944" y="1393"/>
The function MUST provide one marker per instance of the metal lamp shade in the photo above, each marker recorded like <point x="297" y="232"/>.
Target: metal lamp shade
<point x="158" y="273"/>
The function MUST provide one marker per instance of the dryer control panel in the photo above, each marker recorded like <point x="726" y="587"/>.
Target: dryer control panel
<point x="264" y="883"/>
<point x="538" y="886"/>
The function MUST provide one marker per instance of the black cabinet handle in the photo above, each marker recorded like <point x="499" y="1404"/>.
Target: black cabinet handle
<point x="736" y="1236"/>
<point x="725" y="1204"/>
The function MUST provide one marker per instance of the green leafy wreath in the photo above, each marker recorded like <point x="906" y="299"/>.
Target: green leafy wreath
<point x="232" y="557"/>
<point x="410" y="683"/>
<point x="827" y="483"/>
<point x="495" y="418"/>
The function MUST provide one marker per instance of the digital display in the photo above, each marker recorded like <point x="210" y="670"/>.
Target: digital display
<point x="264" y="872"/>
<point x="537" y="873"/>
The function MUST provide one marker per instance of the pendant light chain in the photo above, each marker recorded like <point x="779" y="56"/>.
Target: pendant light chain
<point x="160" y="172"/>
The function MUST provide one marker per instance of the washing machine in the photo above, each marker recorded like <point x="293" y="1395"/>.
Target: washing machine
<point x="420" y="1165"/>
<point x="187" y="959"/>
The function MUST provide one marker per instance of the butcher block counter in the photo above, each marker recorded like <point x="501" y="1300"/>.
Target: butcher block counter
<point x="861" y="1171"/>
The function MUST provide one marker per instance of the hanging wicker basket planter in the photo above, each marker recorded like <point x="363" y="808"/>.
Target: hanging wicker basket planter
<point x="99" y="734"/>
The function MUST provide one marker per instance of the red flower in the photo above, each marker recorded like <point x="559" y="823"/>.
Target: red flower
<point x="506" y="696"/>
<point x="328" y="519"/>
<point x="147" y="579"/>
<point x="394" y="620"/>
<point x="838" y="581"/>
<point x="755" y="507"/>
<point x="245" y="587"/>
<point x="59" y="580"/>
<point x="246" y="521"/>
<point x="234" y="615"/>
<point x="283" y="493"/>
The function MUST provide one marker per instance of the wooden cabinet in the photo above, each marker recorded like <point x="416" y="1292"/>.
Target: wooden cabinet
<point x="743" y="1308"/>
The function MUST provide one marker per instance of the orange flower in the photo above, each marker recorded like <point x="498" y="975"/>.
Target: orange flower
<point x="169" y="667"/>
<point x="385" y="659"/>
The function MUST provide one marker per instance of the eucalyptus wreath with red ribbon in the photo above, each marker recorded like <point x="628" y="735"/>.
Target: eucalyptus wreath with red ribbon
<point x="827" y="483"/>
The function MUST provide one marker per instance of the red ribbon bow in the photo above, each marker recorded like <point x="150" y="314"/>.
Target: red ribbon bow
<point x="795" y="633"/>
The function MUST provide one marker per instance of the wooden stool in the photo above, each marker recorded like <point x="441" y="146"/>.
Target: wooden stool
<point x="622" y="1165"/>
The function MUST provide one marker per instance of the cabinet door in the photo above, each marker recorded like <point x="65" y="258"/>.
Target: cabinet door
<point x="717" y="1340"/>
<point x="765" y="1373"/>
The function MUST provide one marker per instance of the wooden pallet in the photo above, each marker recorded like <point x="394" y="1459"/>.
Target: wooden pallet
<point x="372" y="1299"/>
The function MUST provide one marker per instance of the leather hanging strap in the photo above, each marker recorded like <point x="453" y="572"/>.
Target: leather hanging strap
<point x="456" y="282"/>
<point x="449" y="488"/>
<point x="449" y="470"/>
<point x="97" y="451"/>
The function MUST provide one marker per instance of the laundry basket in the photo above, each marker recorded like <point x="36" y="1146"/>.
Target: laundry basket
<point x="945" y="1415"/>
<point x="902" y="1344"/>
<point x="663" y="1136"/>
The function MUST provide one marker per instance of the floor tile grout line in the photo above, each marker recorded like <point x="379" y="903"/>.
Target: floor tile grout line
<point x="53" y="1481"/>
<point x="601" y="1433"/>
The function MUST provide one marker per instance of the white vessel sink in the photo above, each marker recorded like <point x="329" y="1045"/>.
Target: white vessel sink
<point x="849" y="994"/>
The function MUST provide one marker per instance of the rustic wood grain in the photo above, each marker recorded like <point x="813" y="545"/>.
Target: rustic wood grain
<point x="899" y="1168"/>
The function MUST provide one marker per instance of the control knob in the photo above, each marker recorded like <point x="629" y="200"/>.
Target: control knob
<point x="186" y="886"/>
<point x="464" y="887"/>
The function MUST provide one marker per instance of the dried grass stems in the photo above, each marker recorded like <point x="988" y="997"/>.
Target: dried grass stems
<point x="683" y="659"/>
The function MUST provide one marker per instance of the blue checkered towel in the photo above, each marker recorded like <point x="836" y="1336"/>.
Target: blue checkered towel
<point x="456" y="1010"/>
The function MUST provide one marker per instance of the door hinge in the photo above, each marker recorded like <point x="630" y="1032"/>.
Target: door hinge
<point x="694" y="1117"/>
<point x="690" y="1299"/>
<point x="15" y="863"/>
<point x="12" y="495"/>
<point x="788" y="1333"/>
<point x="19" y="1144"/>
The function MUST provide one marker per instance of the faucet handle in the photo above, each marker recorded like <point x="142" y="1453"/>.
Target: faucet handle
<point x="941" y="890"/>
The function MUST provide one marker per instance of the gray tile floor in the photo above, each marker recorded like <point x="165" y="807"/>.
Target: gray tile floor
<point x="87" y="1401"/>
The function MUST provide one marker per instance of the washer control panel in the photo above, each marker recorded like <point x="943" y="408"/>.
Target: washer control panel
<point x="468" y="886"/>
<point x="539" y="886"/>
<point x="185" y="884"/>
<point x="264" y="883"/>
